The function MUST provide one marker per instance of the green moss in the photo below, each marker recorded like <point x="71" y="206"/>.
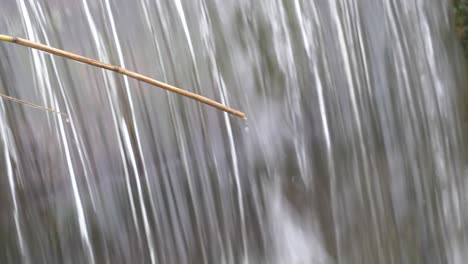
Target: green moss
<point x="461" y="22"/>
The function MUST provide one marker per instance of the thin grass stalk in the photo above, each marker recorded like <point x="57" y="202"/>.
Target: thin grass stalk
<point x="131" y="74"/>
<point x="16" y="100"/>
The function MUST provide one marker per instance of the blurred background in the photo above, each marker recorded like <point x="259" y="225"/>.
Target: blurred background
<point x="354" y="150"/>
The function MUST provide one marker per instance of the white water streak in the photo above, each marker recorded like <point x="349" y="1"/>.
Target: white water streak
<point x="45" y="85"/>
<point x="137" y="135"/>
<point x="9" y="151"/>
<point x="109" y="82"/>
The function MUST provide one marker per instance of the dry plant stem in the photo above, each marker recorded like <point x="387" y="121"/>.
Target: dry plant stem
<point x="16" y="100"/>
<point x="120" y="70"/>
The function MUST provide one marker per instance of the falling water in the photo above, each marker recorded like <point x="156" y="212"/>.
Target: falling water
<point x="353" y="151"/>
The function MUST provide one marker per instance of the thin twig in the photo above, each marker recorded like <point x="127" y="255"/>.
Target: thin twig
<point x="120" y="70"/>
<point x="16" y="100"/>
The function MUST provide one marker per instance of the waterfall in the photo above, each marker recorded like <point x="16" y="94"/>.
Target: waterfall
<point x="353" y="151"/>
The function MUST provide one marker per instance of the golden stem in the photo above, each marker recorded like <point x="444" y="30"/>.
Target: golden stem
<point x="117" y="69"/>
<point x="6" y="38"/>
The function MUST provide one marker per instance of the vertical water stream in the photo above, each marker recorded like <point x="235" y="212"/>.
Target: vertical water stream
<point x="353" y="151"/>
